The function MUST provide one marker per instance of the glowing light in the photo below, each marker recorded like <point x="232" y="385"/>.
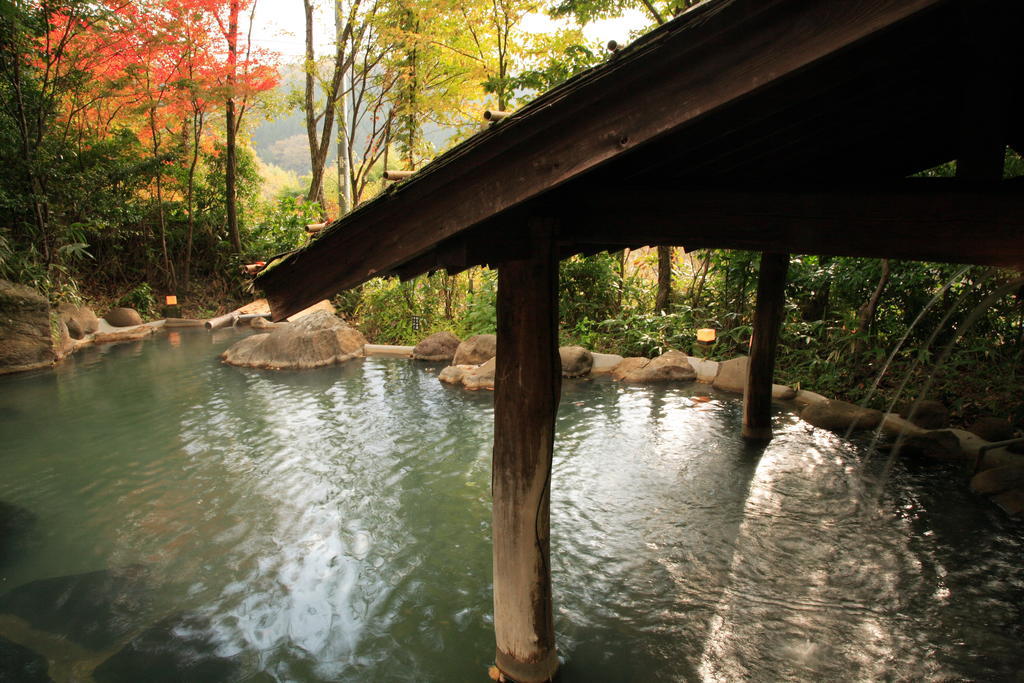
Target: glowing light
<point x="706" y="335"/>
<point x="172" y="300"/>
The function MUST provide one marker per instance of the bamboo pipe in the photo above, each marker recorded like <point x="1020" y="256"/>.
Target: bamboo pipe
<point x="397" y="175"/>
<point x="222" y="321"/>
<point x="313" y="228"/>
<point x="496" y="115"/>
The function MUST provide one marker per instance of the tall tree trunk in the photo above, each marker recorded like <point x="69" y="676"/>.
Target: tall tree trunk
<point x="161" y="223"/>
<point x="230" y="172"/>
<point x="344" y="154"/>
<point x="664" y="278"/>
<point x="866" y="314"/>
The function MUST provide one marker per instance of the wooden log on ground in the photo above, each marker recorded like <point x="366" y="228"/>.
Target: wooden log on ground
<point x="527" y="388"/>
<point x="757" y="397"/>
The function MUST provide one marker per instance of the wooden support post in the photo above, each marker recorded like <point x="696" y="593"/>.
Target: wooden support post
<point x="526" y="392"/>
<point x="757" y="396"/>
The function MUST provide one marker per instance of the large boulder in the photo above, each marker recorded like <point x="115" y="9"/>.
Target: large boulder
<point x="26" y="335"/>
<point x="1012" y="502"/>
<point x="476" y="350"/>
<point x="81" y="320"/>
<point x="123" y="317"/>
<point x="576" y="361"/>
<point x="671" y="366"/>
<point x="481" y="377"/>
<point x="840" y="416"/>
<point x="453" y="374"/>
<point x="440" y="346"/>
<point x="927" y="414"/>
<point x="313" y="341"/>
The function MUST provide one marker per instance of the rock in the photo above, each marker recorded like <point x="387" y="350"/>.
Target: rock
<point x="840" y="416"/>
<point x="18" y="663"/>
<point x="781" y="392"/>
<point x="992" y="429"/>
<point x="999" y="457"/>
<point x="181" y="647"/>
<point x="440" y="346"/>
<point x="805" y="398"/>
<point x="894" y="426"/>
<point x="706" y="370"/>
<point x="264" y="324"/>
<point x="313" y="341"/>
<point x="81" y="320"/>
<point x="123" y="317"/>
<point x="997" y="480"/>
<point x="481" y="377"/>
<point x="927" y="414"/>
<point x="133" y="334"/>
<point x="576" y="361"/>
<point x="732" y="375"/>
<point x="629" y="365"/>
<point x="476" y="350"/>
<point x="322" y="306"/>
<point x="97" y="610"/>
<point x="26" y="337"/>
<point x="671" y="366"/>
<point x="63" y="344"/>
<point x="938" y="445"/>
<point x="453" y="374"/>
<point x="14" y="522"/>
<point x="1012" y="502"/>
<point x="604" y="362"/>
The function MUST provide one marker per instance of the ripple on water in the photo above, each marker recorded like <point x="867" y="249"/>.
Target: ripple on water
<point x="335" y="525"/>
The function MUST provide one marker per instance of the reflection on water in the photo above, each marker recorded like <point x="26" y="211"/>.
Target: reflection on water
<point x="334" y="525"/>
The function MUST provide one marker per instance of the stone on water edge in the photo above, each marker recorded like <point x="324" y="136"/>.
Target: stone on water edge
<point x="706" y="370"/>
<point x="996" y="429"/>
<point x="805" y="398"/>
<point x="781" y="392"/>
<point x="1011" y="502"/>
<point x="26" y="335"/>
<point x="671" y="366"/>
<point x="481" y="377"/>
<point x="998" y="479"/>
<point x="935" y="444"/>
<point x="264" y="324"/>
<point x="732" y="375"/>
<point x="81" y="320"/>
<point x="453" y="374"/>
<point x="840" y="416"/>
<point x="123" y="317"/>
<point x="476" y="350"/>
<point x="927" y="414"/>
<point x="628" y="365"/>
<point x="20" y="664"/>
<point x="316" y="340"/>
<point x="131" y="334"/>
<point x="440" y="346"/>
<point x="576" y="361"/>
<point x="604" y="362"/>
<point x="894" y="426"/>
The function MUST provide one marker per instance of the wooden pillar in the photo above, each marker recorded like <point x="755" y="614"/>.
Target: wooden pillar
<point x="526" y="392"/>
<point x="757" y="396"/>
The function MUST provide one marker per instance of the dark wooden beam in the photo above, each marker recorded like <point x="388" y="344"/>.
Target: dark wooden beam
<point x="710" y="58"/>
<point x="926" y="220"/>
<point x="768" y="315"/>
<point x="526" y="393"/>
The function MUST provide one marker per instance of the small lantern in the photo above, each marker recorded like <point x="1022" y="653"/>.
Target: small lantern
<point x="172" y="300"/>
<point x="706" y="335"/>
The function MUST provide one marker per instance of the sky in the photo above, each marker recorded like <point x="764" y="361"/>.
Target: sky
<point x="280" y="27"/>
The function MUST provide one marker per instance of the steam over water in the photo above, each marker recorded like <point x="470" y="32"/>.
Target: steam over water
<point x="335" y="525"/>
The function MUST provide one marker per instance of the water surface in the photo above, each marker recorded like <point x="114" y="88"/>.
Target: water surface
<point x="335" y="525"/>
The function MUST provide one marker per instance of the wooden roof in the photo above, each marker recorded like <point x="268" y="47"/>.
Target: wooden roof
<point x="783" y="125"/>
